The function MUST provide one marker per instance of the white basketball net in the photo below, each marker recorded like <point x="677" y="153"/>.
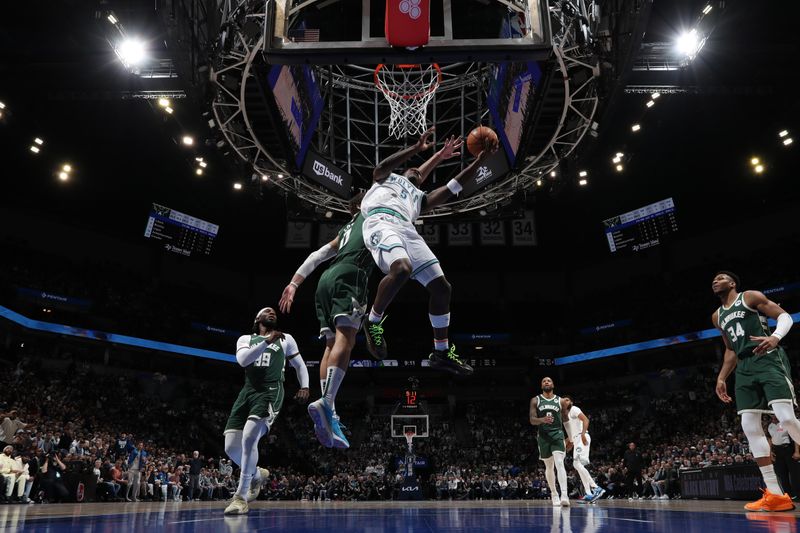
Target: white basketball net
<point x="408" y="89"/>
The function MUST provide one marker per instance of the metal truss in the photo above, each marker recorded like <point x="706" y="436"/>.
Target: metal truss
<point x="353" y="129"/>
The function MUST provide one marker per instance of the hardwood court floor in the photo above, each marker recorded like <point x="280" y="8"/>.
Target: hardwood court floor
<point x="485" y="516"/>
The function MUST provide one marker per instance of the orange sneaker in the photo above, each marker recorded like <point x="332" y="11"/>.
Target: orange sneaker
<point x="771" y="502"/>
<point x="758" y="504"/>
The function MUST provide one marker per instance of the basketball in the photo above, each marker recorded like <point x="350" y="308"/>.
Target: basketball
<point x="479" y="138"/>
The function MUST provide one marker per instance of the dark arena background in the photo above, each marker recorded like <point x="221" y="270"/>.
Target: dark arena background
<point x="167" y="165"/>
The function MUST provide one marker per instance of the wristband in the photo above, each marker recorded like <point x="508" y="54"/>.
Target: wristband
<point x="295" y="285"/>
<point x="454" y="186"/>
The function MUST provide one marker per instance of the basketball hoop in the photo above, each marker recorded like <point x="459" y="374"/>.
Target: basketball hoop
<point x="408" y="89"/>
<point x="410" y="434"/>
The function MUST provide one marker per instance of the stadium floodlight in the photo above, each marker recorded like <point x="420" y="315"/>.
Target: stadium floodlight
<point x="616" y="159"/>
<point x="329" y="214"/>
<point x="553" y="174"/>
<point x="163" y="102"/>
<point x="707" y="9"/>
<point x="66" y="167"/>
<point x="198" y="158"/>
<point x="583" y="173"/>
<point x="203" y="164"/>
<point x="619" y="154"/>
<point x="582" y="182"/>
<point x="169" y="110"/>
<point x="131" y="51"/>
<point x="187" y="140"/>
<point x="787" y="141"/>
<point x="689" y="43"/>
<point x="264" y="177"/>
<point x="280" y="176"/>
<point x="650" y="103"/>
<point x="655" y="96"/>
<point x="34" y="149"/>
<point x="539" y="182"/>
<point x="759" y="169"/>
<point x="198" y="171"/>
<point x="619" y="168"/>
<point x="636" y="127"/>
<point x="112" y="19"/>
<point x="781" y="134"/>
<point x="237" y="186"/>
<point x="38" y="141"/>
<point x="63" y="176"/>
<point x="754" y="161"/>
<point x="2" y="105"/>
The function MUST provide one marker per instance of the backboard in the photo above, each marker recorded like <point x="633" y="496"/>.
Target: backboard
<point x="401" y="423"/>
<point x="352" y="31"/>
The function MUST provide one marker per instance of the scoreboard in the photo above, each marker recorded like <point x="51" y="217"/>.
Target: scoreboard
<point x="641" y="228"/>
<point x="180" y="233"/>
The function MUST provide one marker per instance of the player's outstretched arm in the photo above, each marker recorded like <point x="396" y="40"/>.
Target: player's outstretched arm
<point x="386" y="166"/>
<point x="757" y="300"/>
<point x="728" y="364"/>
<point x="450" y="149"/>
<point x="296" y="360"/>
<point x="309" y="265"/>
<point x="439" y="196"/>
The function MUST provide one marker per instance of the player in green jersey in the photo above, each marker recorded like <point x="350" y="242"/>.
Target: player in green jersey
<point x="341" y="301"/>
<point x="263" y="356"/>
<point x="763" y="383"/>
<point x="545" y="412"/>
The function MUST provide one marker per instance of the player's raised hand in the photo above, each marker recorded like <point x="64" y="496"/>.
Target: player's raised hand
<point x="451" y="147"/>
<point x="423" y="143"/>
<point x="302" y="395"/>
<point x="489" y="148"/>
<point x="765" y="344"/>
<point x="722" y="392"/>
<point x="287" y="298"/>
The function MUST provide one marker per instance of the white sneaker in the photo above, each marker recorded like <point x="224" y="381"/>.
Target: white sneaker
<point x="238" y="505"/>
<point x="255" y="485"/>
<point x="564" y="501"/>
<point x="556" y="501"/>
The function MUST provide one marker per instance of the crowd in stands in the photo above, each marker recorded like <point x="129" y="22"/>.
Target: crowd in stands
<point x="139" y="445"/>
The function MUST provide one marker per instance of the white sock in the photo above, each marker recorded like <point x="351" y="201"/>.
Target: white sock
<point x="335" y="377"/>
<point x="375" y="317"/>
<point x="770" y="479"/>
<point x="562" y="475"/>
<point x="550" y="476"/>
<point x="441" y="345"/>
<point x="244" y="485"/>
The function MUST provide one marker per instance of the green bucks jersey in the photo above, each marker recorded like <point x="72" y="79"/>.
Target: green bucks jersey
<point x="268" y="368"/>
<point x="553" y="407"/>
<point x="738" y="322"/>
<point x="351" y="246"/>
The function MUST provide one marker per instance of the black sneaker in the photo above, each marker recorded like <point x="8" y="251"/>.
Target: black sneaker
<point x="376" y="344"/>
<point x="450" y="361"/>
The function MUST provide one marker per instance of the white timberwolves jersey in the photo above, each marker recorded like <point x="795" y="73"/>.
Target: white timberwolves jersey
<point x="396" y="193"/>
<point x="575" y="423"/>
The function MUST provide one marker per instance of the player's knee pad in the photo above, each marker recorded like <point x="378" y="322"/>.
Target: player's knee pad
<point x="754" y="431"/>
<point x="440" y="321"/>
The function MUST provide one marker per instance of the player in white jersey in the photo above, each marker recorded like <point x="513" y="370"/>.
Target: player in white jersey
<point x="390" y="208"/>
<point x="577" y="425"/>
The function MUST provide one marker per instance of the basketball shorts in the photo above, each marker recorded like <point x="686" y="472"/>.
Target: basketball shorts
<point x="762" y="380"/>
<point x="252" y="404"/>
<point x="580" y="452"/>
<point x="548" y="445"/>
<point x="341" y="298"/>
<point x="388" y="239"/>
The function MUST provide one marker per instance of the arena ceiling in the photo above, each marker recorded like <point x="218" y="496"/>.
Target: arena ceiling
<point x="61" y="81"/>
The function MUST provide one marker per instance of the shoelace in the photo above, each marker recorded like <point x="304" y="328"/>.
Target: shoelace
<point x="451" y="354"/>
<point x="376" y="332"/>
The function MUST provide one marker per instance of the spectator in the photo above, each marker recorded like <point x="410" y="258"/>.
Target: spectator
<point x="136" y="462"/>
<point x="195" y="469"/>
<point x="10" y="423"/>
<point x="52" y="482"/>
<point x="12" y="474"/>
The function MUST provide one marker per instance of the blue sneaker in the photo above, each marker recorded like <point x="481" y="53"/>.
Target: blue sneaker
<point x="326" y="425"/>
<point x="322" y="429"/>
<point x="597" y="493"/>
<point x="588" y="498"/>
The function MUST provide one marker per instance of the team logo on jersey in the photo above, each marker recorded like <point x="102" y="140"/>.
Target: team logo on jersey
<point x="484" y="173"/>
<point x="375" y="238"/>
<point x="738" y="303"/>
<point x="411" y="8"/>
